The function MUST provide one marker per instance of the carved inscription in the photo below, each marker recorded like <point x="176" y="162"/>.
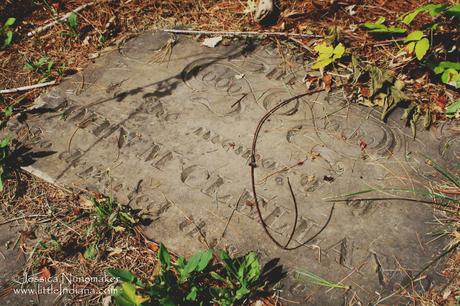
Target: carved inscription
<point x="173" y="140"/>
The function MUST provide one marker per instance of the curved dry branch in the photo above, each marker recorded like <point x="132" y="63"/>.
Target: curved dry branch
<point x="253" y="166"/>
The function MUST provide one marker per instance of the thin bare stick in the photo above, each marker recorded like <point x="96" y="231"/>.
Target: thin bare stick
<point x="20" y="218"/>
<point x="61" y="19"/>
<point x="296" y="214"/>
<point x="253" y="166"/>
<point x="234" y="33"/>
<point x="231" y="215"/>
<point x="25" y="88"/>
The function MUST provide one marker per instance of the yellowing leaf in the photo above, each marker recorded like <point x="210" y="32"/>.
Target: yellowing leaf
<point x="410" y="47"/>
<point x="421" y="48"/>
<point x="453" y="108"/>
<point x="324" y="49"/>
<point x="414" y="36"/>
<point x="409" y="17"/>
<point x="339" y="50"/>
<point x="322" y="63"/>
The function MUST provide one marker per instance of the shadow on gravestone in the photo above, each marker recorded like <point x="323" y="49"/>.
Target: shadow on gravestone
<point x="173" y="139"/>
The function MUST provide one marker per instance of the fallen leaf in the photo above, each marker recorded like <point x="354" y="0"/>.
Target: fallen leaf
<point x="85" y="202"/>
<point x="311" y="81"/>
<point x="45" y="273"/>
<point x="446" y="294"/>
<point x="250" y="203"/>
<point x="153" y="246"/>
<point x="362" y="144"/>
<point x="441" y="101"/>
<point x="327" y="79"/>
<point x="115" y="251"/>
<point x="365" y="92"/>
<point x="212" y="42"/>
<point x="293" y="14"/>
<point x="351" y="9"/>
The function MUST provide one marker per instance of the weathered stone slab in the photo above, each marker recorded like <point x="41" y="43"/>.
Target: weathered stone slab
<point x="174" y="138"/>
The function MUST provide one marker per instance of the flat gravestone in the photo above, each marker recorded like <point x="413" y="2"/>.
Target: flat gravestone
<point x="174" y="139"/>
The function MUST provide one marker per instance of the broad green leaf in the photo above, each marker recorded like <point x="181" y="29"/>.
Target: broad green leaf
<point x="409" y="17"/>
<point x="196" y="263"/>
<point x="122" y="274"/>
<point x="414" y="36"/>
<point x="435" y="9"/>
<point x="50" y="65"/>
<point x="121" y="300"/>
<point x="449" y="76"/>
<point x="164" y="257"/>
<point x="229" y="264"/>
<point x="8" y="39"/>
<point x="410" y="47"/>
<point x="205" y="258"/>
<point x="180" y="262"/>
<point x="421" y="48"/>
<point x="8" y="111"/>
<point x="217" y="276"/>
<point x="438" y="69"/>
<point x="322" y="63"/>
<point x="454" y="11"/>
<point x="90" y="252"/>
<point x="10" y="21"/>
<point x="251" y="262"/>
<point x="192" y="295"/>
<point x="373" y="26"/>
<point x="339" y="50"/>
<point x="381" y="20"/>
<point x="376" y="25"/>
<point x="390" y="30"/>
<point x="453" y="108"/>
<point x="432" y="9"/>
<point x="396" y="30"/>
<point x="323" y="49"/>
<point x="447" y="64"/>
<point x="41" y="61"/>
<point x="128" y="293"/>
<point x="242" y="292"/>
<point x="72" y="20"/>
<point x="4" y="142"/>
<point x="29" y="66"/>
<point x="127" y="217"/>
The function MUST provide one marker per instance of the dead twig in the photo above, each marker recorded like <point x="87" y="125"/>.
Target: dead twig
<point x="61" y="19"/>
<point x="236" y="33"/>
<point x="20" y="218"/>
<point x="253" y="166"/>
<point x="231" y="215"/>
<point x="25" y="88"/>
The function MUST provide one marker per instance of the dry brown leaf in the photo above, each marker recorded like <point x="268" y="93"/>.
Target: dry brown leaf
<point x="327" y="79"/>
<point x="45" y="273"/>
<point x="153" y="246"/>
